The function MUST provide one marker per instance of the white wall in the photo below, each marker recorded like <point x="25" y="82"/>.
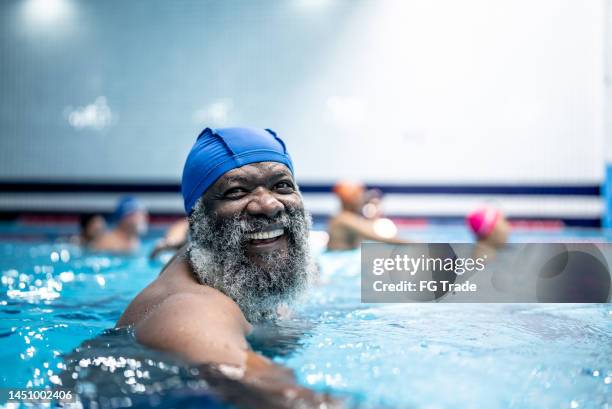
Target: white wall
<point x="397" y="91"/>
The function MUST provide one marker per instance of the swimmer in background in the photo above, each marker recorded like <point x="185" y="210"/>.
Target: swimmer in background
<point x="491" y="230"/>
<point x="350" y="227"/>
<point x="132" y="222"/>
<point x="372" y="207"/>
<point x="91" y="227"/>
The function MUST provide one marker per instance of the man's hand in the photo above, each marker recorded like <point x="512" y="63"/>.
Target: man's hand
<point x="165" y="245"/>
<point x="175" y="238"/>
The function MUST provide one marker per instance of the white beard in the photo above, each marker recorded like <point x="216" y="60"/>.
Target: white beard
<point x="218" y="259"/>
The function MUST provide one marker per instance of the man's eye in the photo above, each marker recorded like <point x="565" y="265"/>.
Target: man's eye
<point x="235" y="192"/>
<point x="284" y="187"/>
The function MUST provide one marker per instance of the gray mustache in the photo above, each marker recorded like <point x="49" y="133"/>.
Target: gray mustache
<point x="284" y="220"/>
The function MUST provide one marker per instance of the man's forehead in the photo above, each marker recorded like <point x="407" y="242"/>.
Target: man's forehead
<point x="253" y="171"/>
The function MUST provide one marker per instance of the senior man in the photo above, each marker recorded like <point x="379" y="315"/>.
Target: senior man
<point x="247" y="256"/>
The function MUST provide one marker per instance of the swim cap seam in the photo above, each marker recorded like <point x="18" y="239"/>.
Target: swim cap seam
<point x="279" y="140"/>
<point x="223" y="141"/>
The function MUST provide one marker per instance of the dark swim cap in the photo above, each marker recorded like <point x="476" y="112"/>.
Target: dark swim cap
<point x="217" y="151"/>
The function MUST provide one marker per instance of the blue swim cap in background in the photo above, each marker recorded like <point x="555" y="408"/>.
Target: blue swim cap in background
<point x="126" y="206"/>
<point x="217" y="151"/>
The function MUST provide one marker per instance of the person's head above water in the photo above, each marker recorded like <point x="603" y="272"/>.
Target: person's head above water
<point x="218" y="151"/>
<point x="351" y="195"/>
<point x="248" y="227"/>
<point x="488" y="224"/>
<point x="131" y="215"/>
<point x="92" y="226"/>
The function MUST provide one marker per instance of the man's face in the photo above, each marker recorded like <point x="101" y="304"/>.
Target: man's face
<point x="500" y="232"/>
<point x="258" y="193"/>
<point x="95" y="227"/>
<point x="249" y="238"/>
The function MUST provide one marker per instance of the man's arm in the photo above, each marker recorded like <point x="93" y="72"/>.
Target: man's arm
<point x="214" y="332"/>
<point x="174" y="239"/>
<point x="196" y="328"/>
<point x="365" y="228"/>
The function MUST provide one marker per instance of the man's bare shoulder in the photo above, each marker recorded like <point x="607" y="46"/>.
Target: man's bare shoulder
<point x="112" y="241"/>
<point x="175" y="288"/>
<point x="192" y="309"/>
<point x="198" y="328"/>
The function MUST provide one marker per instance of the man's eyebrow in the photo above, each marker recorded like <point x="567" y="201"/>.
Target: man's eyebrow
<point x="275" y="175"/>
<point x="280" y="174"/>
<point x="234" y="179"/>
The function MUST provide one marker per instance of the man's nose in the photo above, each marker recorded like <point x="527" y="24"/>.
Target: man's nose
<point x="264" y="203"/>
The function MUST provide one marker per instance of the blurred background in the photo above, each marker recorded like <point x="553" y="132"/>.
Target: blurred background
<point x="441" y="104"/>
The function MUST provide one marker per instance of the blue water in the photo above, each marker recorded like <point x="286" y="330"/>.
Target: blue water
<point x="57" y="303"/>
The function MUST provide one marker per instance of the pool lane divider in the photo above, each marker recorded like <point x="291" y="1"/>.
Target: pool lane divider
<point x="171" y="189"/>
<point x="607" y="196"/>
<point x="174" y="187"/>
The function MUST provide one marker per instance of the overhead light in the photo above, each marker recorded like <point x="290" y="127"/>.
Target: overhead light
<point x="46" y="12"/>
<point x="313" y="4"/>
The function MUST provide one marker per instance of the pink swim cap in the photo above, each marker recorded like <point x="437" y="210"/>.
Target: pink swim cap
<point x="482" y="220"/>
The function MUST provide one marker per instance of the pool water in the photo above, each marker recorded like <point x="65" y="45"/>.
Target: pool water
<point x="57" y="304"/>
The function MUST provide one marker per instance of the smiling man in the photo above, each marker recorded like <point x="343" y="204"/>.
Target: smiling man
<point x="247" y="257"/>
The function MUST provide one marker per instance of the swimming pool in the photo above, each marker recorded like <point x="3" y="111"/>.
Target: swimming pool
<point x="55" y="298"/>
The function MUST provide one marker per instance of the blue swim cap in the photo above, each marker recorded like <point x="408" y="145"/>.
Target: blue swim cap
<point x="218" y="151"/>
<point x="126" y="206"/>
